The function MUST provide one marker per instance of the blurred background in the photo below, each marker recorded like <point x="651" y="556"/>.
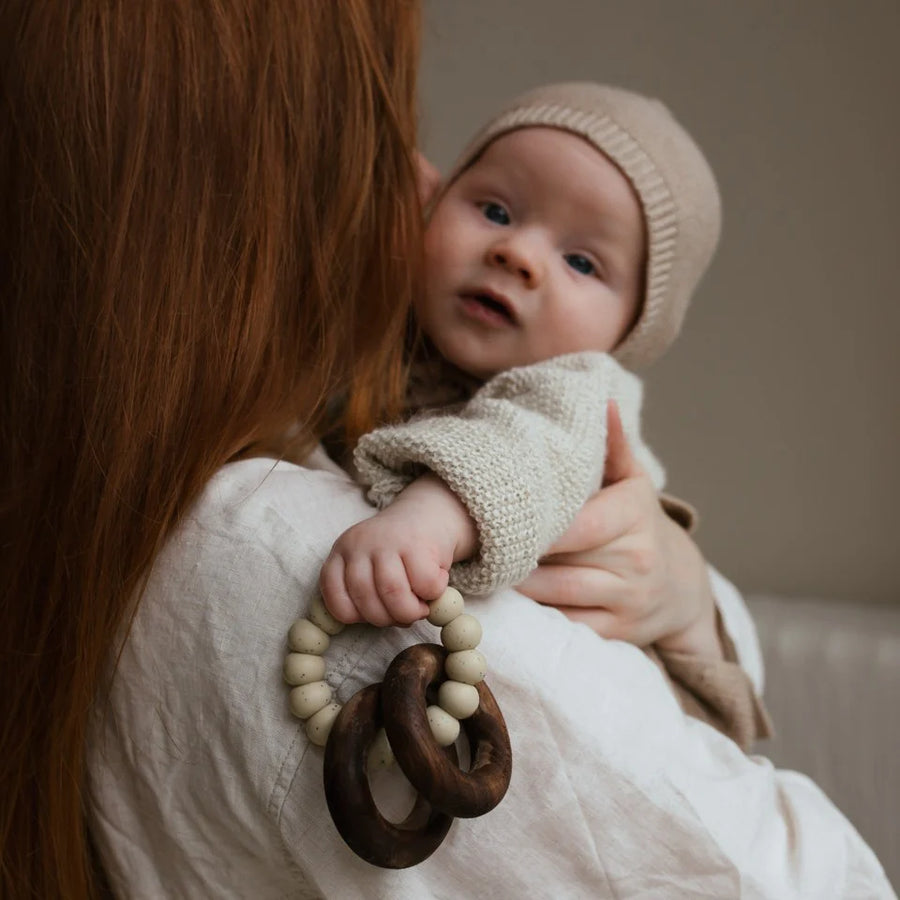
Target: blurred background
<point x="776" y="411"/>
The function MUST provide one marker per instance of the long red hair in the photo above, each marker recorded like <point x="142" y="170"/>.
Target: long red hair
<point x="208" y="227"/>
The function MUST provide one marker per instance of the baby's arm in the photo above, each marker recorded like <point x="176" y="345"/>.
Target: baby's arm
<point x="522" y="455"/>
<point x="380" y="570"/>
<point x="489" y="485"/>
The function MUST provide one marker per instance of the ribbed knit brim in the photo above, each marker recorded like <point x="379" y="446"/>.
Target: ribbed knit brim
<point x="670" y="175"/>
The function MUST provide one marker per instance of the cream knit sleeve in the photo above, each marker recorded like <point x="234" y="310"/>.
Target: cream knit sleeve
<point x="523" y="454"/>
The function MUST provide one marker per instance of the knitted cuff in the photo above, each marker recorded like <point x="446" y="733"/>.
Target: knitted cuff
<point x="492" y="490"/>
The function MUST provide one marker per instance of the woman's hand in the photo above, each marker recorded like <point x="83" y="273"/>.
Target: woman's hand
<point x="625" y="568"/>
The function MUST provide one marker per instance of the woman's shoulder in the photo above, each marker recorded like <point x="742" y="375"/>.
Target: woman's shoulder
<point x="194" y="750"/>
<point x="240" y="493"/>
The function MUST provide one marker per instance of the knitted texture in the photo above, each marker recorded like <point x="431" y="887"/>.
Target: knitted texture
<point x="523" y="454"/>
<point x="672" y="179"/>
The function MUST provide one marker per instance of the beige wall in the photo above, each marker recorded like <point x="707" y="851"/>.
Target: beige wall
<point x="777" y="410"/>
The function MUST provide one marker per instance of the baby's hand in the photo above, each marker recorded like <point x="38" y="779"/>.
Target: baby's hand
<point x="382" y="569"/>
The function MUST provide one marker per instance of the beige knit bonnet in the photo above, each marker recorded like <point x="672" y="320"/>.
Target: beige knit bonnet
<point x="672" y="179"/>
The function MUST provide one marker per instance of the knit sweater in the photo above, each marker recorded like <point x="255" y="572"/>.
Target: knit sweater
<point x="523" y="452"/>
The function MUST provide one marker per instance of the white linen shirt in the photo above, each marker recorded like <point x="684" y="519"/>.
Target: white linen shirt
<point x="201" y="784"/>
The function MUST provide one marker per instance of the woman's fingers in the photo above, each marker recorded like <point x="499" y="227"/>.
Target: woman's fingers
<point x="620" y="461"/>
<point x="620" y="506"/>
<point x="612" y="625"/>
<point x="605" y="517"/>
<point x="574" y="586"/>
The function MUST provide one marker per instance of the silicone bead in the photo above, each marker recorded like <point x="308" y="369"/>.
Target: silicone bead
<point x="318" y="727"/>
<point x="446" y="608"/>
<point x="380" y="754"/>
<point x="302" y="668"/>
<point x="468" y="666"/>
<point x="320" y="616"/>
<point x="443" y="726"/>
<point x="463" y="633"/>
<point x="309" y="698"/>
<point x="458" y="699"/>
<point x="304" y="637"/>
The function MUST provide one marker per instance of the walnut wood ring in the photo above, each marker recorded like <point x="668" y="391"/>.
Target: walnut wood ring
<point x="422" y="759"/>
<point x="349" y="798"/>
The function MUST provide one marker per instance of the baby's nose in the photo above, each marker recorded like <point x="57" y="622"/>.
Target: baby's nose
<point x="515" y="263"/>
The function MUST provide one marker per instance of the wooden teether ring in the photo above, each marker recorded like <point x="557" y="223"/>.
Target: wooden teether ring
<point x="349" y="798"/>
<point x="422" y="759"/>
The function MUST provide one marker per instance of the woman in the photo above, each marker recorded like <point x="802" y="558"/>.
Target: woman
<point x="209" y="228"/>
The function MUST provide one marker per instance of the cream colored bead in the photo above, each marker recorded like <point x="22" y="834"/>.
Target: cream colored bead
<point x="304" y="637"/>
<point x="309" y="698"/>
<point x="380" y="754"/>
<point x="302" y="668"/>
<point x="463" y="633"/>
<point x="318" y="727"/>
<point x="320" y="616"/>
<point x="443" y="726"/>
<point x="446" y="608"/>
<point x="468" y="666"/>
<point x="458" y="699"/>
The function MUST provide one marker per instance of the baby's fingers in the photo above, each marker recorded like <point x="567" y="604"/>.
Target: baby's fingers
<point x="359" y="579"/>
<point x="334" y="591"/>
<point x="427" y="578"/>
<point x="395" y="592"/>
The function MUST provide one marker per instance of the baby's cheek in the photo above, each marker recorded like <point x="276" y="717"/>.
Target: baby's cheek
<point x="437" y="247"/>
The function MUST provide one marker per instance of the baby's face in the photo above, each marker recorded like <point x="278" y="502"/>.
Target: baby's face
<point x="534" y="251"/>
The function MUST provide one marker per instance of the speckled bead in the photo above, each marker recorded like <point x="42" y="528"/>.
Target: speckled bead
<point x="458" y="699"/>
<point x="304" y="637"/>
<point x="318" y="726"/>
<point x="320" y="616"/>
<point x="380" y="754"/>
<point x="468" y="666"/>
<point x="463" y="633"/>
<point x="443" y="726"/>
<point x="446" y="608"/>
<point x="309" y="698"/>
<point x="302" y="668"/>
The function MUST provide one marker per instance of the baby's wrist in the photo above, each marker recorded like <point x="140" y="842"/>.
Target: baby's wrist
<point x="429" y="499"/>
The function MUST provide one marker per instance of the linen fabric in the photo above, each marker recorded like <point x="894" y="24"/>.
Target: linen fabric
<point x="201" y="783"/>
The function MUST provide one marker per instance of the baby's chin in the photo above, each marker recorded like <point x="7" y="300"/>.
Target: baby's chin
<point x="460" y="360"/>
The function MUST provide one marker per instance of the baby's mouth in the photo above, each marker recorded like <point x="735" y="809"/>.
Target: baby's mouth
<point x="494" y="303"/>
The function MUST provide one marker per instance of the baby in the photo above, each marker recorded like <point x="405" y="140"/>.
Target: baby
<point x="567" y="241"/>
<point x="564" y="247"/>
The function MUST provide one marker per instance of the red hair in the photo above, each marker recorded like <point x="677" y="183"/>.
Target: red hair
<point x="209" y="226"/>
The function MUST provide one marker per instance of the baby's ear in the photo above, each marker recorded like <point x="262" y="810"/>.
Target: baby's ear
<point x="428" y="178"/>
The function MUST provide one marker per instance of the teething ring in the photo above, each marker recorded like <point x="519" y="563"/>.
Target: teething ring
<point x="350" y="801"/>
<point x="422" y="759"/>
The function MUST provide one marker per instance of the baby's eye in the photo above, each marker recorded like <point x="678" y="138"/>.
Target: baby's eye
<point x="580" y="263"/>
<point x="495" y="213"/>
